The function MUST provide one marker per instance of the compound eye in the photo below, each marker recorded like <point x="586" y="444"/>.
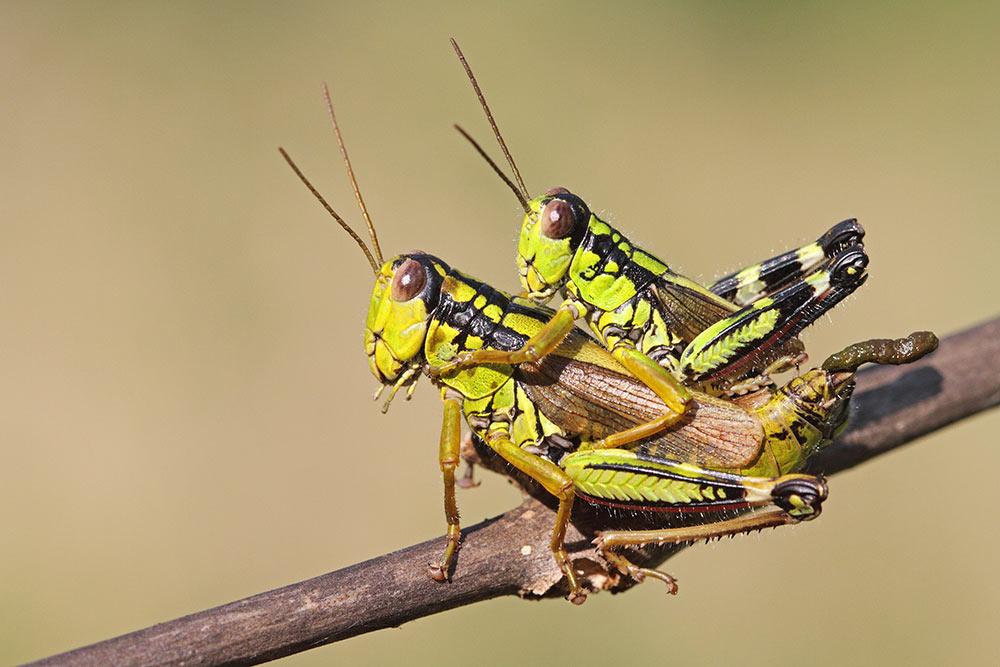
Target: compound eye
<point x="557" y="219"/>
<point x="552" y="192"/>
<point x="407" y="281"/>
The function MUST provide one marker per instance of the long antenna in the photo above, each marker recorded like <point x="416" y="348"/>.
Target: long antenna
<point x="354" y="182"/>
<point x="489" y="161"/>
<point x="489" y="116"/>
<point x="329" y="209"/>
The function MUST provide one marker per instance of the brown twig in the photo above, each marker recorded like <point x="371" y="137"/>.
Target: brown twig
<point x="509" y="554"/>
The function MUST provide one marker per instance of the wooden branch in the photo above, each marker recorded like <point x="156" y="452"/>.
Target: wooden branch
<point x="509" y="554"/>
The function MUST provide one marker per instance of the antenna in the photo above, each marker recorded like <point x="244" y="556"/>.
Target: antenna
<point x="354" y="182"/>
<point x="329" y="209"/>
<point x="489" y="116"/>
<point x="499" y="172"/>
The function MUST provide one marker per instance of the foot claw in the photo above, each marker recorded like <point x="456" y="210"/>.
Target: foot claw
<point x="638" y="574"/>
<point x="436" y="572"/>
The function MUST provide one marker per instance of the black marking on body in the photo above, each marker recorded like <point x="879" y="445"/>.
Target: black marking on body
<point x="777" y="272"/>
<point x="472" y="321"/>
<point x="702" y="509"/>
<point x="773" y="273"/>
<point x="605" y="247"/>
<point x="800" y="428"/>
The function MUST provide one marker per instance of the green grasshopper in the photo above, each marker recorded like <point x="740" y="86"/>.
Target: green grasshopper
<point x="666" y="329"/>
<point x="564" y="421"/>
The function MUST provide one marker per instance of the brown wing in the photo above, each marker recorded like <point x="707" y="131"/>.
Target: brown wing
<point x="595" y="401"/>
<point x="713" y="432"/>
<point x="687" y="307"/>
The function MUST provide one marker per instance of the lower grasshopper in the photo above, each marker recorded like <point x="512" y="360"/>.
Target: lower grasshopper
<point x="423" y="313"/>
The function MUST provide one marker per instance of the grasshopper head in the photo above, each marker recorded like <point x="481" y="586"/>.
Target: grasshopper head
<point x="550" y="235"/>
<point x="407" y="289"/>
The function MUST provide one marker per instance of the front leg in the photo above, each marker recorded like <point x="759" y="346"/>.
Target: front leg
<point x="448" y="456"/>
<point x="545" y="340"/>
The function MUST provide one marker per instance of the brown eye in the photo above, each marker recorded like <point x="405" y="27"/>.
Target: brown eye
<point x="557" y="219"/>
<point x="408" y="280"/>
<point x="552" y="192"/>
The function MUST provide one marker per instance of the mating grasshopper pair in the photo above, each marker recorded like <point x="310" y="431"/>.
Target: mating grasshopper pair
<point x="617" y="428"/>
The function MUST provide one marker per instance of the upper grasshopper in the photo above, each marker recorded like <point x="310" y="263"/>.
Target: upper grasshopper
<point x="667" y="330"/>
<point x="569" y="419"/>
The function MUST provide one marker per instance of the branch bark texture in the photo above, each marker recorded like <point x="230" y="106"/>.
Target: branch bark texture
<point x="509" y="555"/>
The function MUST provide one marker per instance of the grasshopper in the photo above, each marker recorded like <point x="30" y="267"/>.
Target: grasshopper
<point x="565" y="420"/>
<point x="667" y="330"/>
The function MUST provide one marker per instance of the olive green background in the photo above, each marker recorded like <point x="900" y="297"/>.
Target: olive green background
<point x="185" y="414"/>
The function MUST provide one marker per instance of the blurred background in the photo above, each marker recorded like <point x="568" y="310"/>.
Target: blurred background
<point x="185" y="413"/>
